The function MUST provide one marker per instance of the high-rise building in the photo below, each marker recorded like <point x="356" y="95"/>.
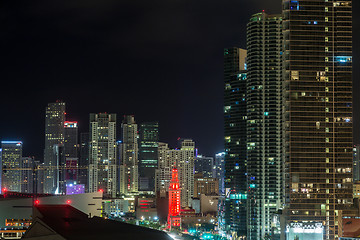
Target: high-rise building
<point x="39" y="177"/>
<point x="11" y="158"/>
<point x="60" y="170"/>
<point x="318" y="97"/>
<point x="129" y="168"/>
<point x="84" y="160"/>
<point x="265" y="151"/>
<point x="183" y="160"/>
<point x="71" y="150"/>
<point x="235" y="120"/>
<point x="54" y="135"/>
<point x="204" y="165"/>
<point x="102" y="153"/>
<point x="163" y="172"/>
<point x="71" y="139"/>
<point x="148" y="154"/>
<point x="27" y="174"/>
<point x="220" y="171"/>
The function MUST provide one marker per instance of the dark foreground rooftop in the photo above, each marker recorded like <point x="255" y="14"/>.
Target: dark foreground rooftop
<point x="66" y="222"/>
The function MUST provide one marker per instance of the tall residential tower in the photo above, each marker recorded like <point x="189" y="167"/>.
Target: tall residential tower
<point x="265" y="152"/>
<point x="129" y="168"/>
<point x="235" y="119"/>
<point x="318" y="85"/>
<point x="102" y="153"/>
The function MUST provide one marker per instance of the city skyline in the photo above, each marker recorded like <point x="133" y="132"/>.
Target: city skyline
<point x="43" y="65"/>
<point x="263" y="144"/>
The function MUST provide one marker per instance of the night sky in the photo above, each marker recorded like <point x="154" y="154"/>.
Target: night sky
<point x="159" y="60"/>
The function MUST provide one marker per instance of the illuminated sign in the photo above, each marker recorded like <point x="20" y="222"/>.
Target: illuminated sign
<point x="69" y="124"/>
<point x="304" y="230"/>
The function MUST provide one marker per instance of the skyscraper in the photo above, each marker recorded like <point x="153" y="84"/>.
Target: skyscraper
<point x="318" y="95"/>
<point x="54" y="135"/>
<point x="102" y="154"/>
<point x="183" y="160"/>
<point x="129" y="168"/>
<point x="219" y="170"/>
<point x="60" y="170"/>
<point x="71" y="139"/>
<point x="27" y="175"/>
<point x="11" y="157"/>
<point x="265" y="155"/>
<point x="163" y="172"/>
<point x="235" y="117"/>
<point x="71" y="149"/>
<point x="84" y="160"/>
<point x="148" y="153"/>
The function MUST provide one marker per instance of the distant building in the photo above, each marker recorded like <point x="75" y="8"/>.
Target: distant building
<point x="205" y="185"/>
<point x="59" y="168"/>
<point x="39" y="177"/>
<point x="118" y="207"/>
<point x="148" y="154"/>
<point x="71" y="151"/>
<point x="219" y="168"/>
<point x="54" y="135"/>
<point x="102" y="154"/>
<point x="71" y="139"/>
<point x="11" y="162"/>
<point x="129" y="168"/>
<point x="163" y="172"/>
<point x="204" y="165"/>
<point x="183" y="160"/>
<point x="146" y="208"/>
<point x="27" y="174"/>
<point x="84" y="160"/>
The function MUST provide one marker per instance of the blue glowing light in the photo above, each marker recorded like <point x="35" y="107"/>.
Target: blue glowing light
<point x="18" y="143"/>
<point x="343" y="59"/>
<point x="294" y="5"/>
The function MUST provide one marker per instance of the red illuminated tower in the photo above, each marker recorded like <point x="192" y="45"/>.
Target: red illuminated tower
<point x="174" y="219"/>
